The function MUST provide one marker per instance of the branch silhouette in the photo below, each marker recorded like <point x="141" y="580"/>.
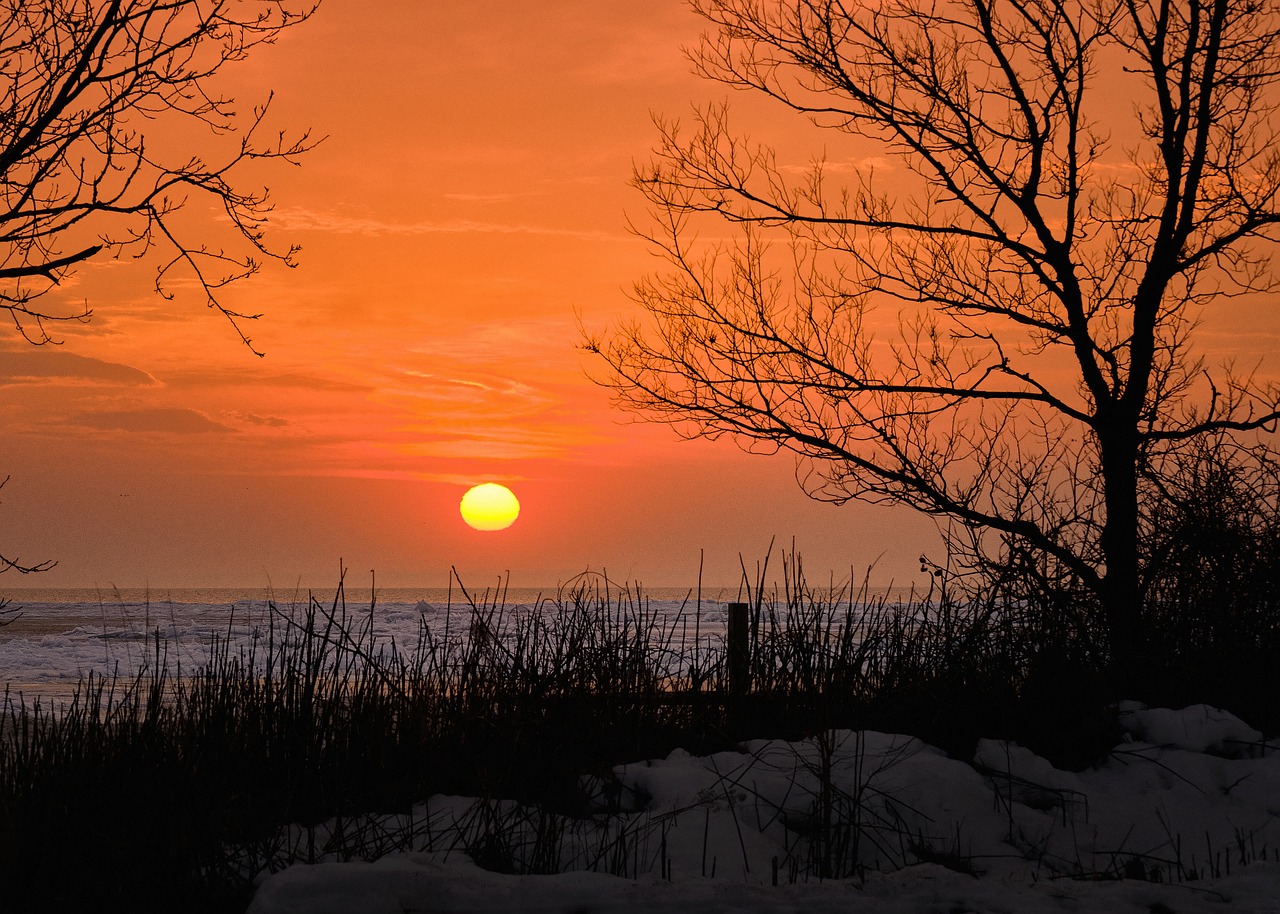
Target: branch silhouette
<point x="93" y="97"/>
<point x="999" y="334"/>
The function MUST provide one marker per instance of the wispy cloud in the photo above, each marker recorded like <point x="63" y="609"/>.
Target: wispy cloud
<point x="44" y="365"/>
<point x="298" y="219"/>
<point x="482" y="447"/>
<point x="435" y="387"/>
<point x="491" y="197"/>
<point x="861" y="166"/>
<point x="496" y="342"/>
<point x="483" y="440"/>
<point x="263" y="421"/>
<point x="203" y="377"/>
<point x="155" y="419"/>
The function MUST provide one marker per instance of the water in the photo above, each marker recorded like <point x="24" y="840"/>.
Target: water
<point x="50" y="640"/>
<point x="54" y="638"/>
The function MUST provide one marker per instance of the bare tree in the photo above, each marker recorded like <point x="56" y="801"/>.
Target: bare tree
<point x="111" y="125"/>
<point x="1000" y="333"/>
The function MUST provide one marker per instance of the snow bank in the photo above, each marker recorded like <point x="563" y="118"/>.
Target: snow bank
<point x="907" y="829"/>
<point x="1198" y="728"/>
<point x="416" y="883"/>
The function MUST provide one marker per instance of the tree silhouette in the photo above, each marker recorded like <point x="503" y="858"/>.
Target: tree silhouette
<point x="111" y="124"/>
<point x="1000" y="333"/>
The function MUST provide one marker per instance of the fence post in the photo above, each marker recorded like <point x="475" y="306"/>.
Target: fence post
<point x="739" y="650"/>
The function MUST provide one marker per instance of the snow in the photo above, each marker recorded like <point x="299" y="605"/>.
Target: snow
<point x="1187" y="799"/>
<point x="416" y="883"/>
<point x="1199" y="728"/>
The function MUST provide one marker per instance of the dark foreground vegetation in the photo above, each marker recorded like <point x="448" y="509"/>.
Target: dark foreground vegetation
<point x="168" y="792"/>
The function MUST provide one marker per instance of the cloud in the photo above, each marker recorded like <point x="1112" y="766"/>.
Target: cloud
<point x="488" y="197"/>
<point x="254" y="419"/>
<point x="33" y="366"/>
<point x="298" y="219"/>
<point x="491" y="388"/>
<point x="156" y="419"/>
<point x="479" y="448"/>
<point x="862" y="166"/>
<point x="497" y="341"/>
<point x="203" y="377"/>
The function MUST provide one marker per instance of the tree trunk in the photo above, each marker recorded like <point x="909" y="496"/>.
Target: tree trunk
<point x="1121" y="591"/>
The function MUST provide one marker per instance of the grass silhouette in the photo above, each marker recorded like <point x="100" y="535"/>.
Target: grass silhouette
<point x="169" y="790"/>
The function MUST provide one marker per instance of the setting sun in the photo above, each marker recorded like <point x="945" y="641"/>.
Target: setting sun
<point x="489" y="507"/>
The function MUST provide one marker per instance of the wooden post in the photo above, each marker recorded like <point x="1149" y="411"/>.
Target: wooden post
<point x="739" y="650"/>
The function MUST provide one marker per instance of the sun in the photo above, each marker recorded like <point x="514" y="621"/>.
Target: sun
<point x="489" y="507"/>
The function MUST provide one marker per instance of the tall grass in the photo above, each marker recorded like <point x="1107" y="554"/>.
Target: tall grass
<point x="168" y="790"/>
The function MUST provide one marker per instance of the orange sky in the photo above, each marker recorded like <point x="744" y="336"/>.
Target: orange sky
<point x="470" y="201"/>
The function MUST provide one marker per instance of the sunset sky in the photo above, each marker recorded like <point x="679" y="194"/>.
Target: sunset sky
<point x="468" y="207"/>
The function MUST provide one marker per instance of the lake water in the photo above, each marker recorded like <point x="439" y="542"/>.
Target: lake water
<point x="50" y="639"/>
